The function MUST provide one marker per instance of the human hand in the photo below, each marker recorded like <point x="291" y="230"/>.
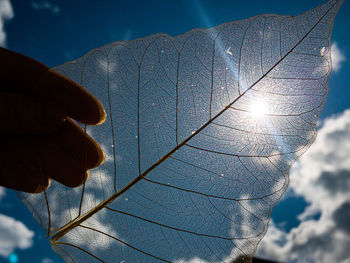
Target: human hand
<point x="38" y="139"/>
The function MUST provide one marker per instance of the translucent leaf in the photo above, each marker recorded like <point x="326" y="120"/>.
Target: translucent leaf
<point x="201" y="131"/>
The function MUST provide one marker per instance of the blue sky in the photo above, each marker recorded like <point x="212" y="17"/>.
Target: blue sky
<point x="54" y="32"/>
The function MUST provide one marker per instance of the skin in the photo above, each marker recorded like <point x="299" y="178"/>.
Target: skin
<point x="40" y="139"/>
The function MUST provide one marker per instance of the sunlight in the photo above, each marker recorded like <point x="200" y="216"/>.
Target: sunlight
<point x="258" y="109"/>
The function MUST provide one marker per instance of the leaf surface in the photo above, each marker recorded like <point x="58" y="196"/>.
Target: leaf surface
<point x="200" y="134"/>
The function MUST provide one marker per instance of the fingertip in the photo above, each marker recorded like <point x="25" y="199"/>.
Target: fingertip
<point x="101" y="156"/>
<point x="79" y="180"/>
<point x="78" y="144"/>
<point x="95" y="113"/>
<point x="81" y="105"/>
<point x="39" y="189"/>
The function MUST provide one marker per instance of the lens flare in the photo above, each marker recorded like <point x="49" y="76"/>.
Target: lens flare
<point x="13" y="258"/>
<point x="258" y="108"/>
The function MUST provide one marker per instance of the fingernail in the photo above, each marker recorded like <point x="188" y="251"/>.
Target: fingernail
<point x="103" y="116"/>
<point x="39" y="188"/>
<point x="87" y="175"/>
<point x="103" y="157"/>
<point x="49" y="184"/>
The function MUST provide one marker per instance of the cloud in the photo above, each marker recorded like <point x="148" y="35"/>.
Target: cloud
<point x="271" y="247"/>
<point x="6" y="13"/>
<point x="46" y="5"/>
<point x="46" y="260"/>
<point x="336" y="182"/>
<point x="13" y="234"/>
<point x="322" y="178"/>
<point x="341" y="217"/>
<point x="92" y="240"/>
<point x="338" y="57"/>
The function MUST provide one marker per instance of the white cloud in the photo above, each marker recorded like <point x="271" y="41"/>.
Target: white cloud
<point x="338" y="57"/>
<point x="90" y="239"/>
<point x="13" y="234"/>
<point x="46" y="260"/>
<point x="6" y="13"/>
<point x="322" y="178"/>
<point x="270" y="247"/>
<point x="55" y="9"/>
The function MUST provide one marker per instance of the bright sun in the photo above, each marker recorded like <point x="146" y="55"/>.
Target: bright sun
<point x="258" y="108"/>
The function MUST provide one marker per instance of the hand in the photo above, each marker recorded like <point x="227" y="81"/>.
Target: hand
<point x="38" y="139"/>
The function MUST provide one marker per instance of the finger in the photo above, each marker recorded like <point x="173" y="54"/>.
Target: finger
<point x="21" y="114"/>
<point x="27" y="163"/>
<point x="62" y="168"/>
<point x="30" y="163"/>
<point x="22" y="74"/>
<point x="69" y="153"/>
<point x="20" y="169"/>
<point x="24" y="181"/>
<point x="80" y="104"/>
<point x="18" y="70"/>
<point x="76" y="144"/>
<point x="28" y="187"/>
